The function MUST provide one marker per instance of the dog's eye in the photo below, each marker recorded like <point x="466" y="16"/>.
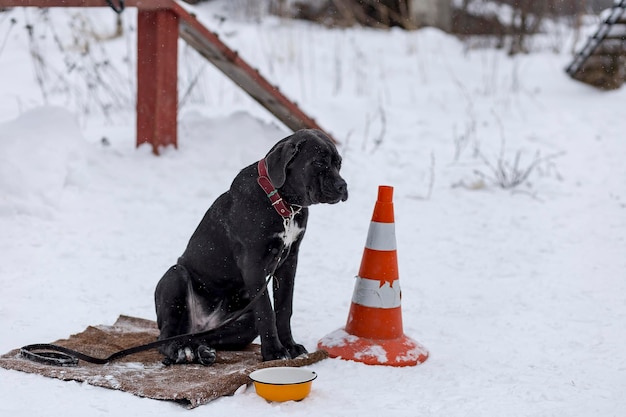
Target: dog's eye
<point x="319" y="164"/>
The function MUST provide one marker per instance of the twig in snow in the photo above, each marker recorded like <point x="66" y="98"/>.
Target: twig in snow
<point x="431" y="180"/>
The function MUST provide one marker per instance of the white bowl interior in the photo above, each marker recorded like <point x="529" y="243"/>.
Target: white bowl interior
<point x="283" y="375"/>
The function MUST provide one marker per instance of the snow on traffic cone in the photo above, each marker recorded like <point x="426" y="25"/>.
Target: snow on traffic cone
<point x="373" y="333"/>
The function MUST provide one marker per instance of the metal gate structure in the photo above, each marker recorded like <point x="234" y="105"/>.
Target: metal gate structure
<point x="159" y="25"/>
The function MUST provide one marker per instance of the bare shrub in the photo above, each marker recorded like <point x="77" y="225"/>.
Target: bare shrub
<point x="87" y="78"/>
<point x="504" y="170"/>
<point x="508" y="174"/>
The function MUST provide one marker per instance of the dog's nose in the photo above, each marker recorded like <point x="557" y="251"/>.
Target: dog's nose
<point x="342" y="189"/>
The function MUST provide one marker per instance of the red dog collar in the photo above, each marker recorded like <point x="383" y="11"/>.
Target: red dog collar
<point x="277" y="202"/>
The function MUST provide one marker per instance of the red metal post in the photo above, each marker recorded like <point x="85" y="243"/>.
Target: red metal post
<point x="157" y="76"/>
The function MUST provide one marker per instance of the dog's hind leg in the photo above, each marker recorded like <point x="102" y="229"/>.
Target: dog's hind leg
<point x="171" y="302"/>
<point x="180" y="311"/>
<point x="173" y="316"/>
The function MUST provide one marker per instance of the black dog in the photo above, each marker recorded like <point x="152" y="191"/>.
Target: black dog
<point x="250" y="232"/>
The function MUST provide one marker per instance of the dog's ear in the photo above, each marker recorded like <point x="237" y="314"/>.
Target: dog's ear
<point x="279" y="157"/>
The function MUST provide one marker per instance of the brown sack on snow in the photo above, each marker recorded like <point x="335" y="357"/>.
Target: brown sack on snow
<point x="143" y="374"/>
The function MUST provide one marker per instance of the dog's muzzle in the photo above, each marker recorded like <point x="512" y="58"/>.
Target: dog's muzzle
<point x="334" y="192"/>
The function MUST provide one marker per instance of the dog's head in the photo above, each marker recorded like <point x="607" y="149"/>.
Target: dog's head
<point x="305" y="168"/>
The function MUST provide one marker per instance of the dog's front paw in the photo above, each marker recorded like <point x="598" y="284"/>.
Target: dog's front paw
<point x="274" y="353"/>
<point x="296" y="350"/>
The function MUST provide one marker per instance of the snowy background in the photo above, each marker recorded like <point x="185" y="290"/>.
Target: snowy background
<point x="519" y="294"/>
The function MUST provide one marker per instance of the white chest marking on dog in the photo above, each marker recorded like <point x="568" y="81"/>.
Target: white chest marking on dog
<point x="291" y="233"/>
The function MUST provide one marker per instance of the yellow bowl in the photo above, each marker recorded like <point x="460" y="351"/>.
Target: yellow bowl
<point x="283" y="383"/>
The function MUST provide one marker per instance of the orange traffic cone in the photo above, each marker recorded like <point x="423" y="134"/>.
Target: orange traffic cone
<point x="373" y="333"/>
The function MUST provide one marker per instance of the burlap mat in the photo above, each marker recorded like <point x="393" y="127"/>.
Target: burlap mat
<point x="143" y="374"/>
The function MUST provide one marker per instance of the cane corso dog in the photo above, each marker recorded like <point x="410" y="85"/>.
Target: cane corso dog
<point x="250" y="232"/>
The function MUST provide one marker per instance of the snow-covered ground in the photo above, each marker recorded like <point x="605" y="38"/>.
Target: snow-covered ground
<point x="519" y="294"/>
